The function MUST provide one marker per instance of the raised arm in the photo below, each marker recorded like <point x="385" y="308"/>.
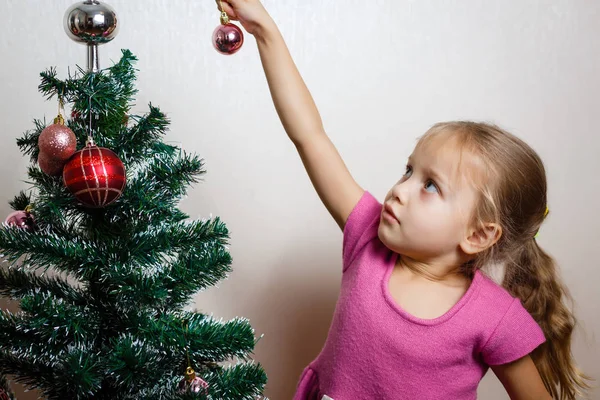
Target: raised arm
<point x="297" y="111"/>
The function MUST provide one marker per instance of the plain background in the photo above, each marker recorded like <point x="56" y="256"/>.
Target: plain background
<point x="382" y="72"/>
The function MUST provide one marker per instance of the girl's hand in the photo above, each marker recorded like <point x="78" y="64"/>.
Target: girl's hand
<point x="251" y="14"/>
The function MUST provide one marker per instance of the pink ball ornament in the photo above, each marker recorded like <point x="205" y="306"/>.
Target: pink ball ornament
<point x="57" y="142"/>
<point x="49" y="166"/>
<point x="227" y="38"/>
<point x="21" y="219"/>
<point x="192" y="383"/>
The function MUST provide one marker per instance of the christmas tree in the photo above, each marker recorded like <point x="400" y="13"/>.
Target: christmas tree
<point x="104" y="274"/>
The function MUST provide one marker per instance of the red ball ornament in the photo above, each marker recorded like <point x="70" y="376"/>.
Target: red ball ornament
<point x="227" y="38"/>
<point x="95" y="176"/>
<point x="57" y="142"/>
<point x="3" y="395"/>
<point x="21" y="219"/>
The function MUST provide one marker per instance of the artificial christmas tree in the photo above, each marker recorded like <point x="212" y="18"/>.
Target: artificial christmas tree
<point x="103" y="285"/>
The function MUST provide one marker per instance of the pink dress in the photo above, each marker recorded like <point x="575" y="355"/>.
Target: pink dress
<point x="376" y="350"/>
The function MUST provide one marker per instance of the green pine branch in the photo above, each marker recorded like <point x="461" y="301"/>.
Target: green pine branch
<point x="205" y="338"/>
<point x="21" y="201"/>
<point x="168" y="177"/>
<point x="57" y="322"/>
<point x="51" y="86"/>
<point x="45" y="250"/>
<point x="142" y="140"/>
<point x="16" y="283"/>
<point x="169" y="239"/>
<point x="192" y="272"/>
<point x="10" y="332"/>
<point x="49" y="186"/>
<point x="28" y="143"/>
<point x="241" y="381"/>
<point x="27" y="368"/>
<point x="134" y="363"/>
<point x="78" y="375"/>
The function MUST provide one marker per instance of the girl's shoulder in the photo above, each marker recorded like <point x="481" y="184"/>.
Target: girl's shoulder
<point x="361" y="227"/>
<point x="484" y="305"/>
<point x="491" y="295"/>
<point x="508" y="330"/>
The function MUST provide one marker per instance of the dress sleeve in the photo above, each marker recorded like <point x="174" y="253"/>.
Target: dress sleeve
<point x="516" y="335"/>
<point x="361" y="227"/>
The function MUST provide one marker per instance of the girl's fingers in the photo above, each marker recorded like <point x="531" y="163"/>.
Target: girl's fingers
<point x="227" y="8"/>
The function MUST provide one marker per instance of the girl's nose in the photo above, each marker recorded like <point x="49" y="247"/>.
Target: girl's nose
<point x="400" y="191"/>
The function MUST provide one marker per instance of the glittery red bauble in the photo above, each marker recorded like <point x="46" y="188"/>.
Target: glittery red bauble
<point x="21" y="219"/>
<point x="3" y="395"/>
<point x="50" y="166"/>
<point x="227" y="38"/>
<point x="57" y="142"/>
<point x="95" y="176"/>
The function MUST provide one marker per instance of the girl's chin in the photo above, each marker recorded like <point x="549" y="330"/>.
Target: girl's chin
<point x="390" y="243"/>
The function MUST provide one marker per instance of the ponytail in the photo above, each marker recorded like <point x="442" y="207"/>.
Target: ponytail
<point x="531" y="276"/>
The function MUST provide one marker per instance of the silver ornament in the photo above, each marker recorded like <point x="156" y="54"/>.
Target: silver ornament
<point x="93" y="23"/>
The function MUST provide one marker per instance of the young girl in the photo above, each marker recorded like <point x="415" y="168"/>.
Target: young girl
<point x="416" y="317"/>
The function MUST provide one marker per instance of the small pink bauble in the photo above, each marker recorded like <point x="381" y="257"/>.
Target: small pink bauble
<point x="228" y="38"/>
<point x="192" y="383"/>
<point x="196" y="385"/>
<point x="21" y="219"/>
<point x="57" y="142"/>
<point x="49" y="166"/>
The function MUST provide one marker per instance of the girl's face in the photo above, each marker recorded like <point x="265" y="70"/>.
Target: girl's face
<point x="426" y="214"/>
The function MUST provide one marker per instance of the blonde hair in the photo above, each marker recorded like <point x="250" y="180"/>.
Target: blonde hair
<point x="513" y="195"/>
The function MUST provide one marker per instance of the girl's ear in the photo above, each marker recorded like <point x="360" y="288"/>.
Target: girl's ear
<point x="479" y="239"/>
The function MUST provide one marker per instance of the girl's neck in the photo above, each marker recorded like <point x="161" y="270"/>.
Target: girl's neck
<point x="432" y="271"/>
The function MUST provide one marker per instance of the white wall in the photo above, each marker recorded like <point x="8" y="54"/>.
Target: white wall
<point x="381" y="73"/>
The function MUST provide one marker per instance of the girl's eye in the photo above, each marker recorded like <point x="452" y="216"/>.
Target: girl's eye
<point x="431" y="187"/>
<point x="408" y="172"/>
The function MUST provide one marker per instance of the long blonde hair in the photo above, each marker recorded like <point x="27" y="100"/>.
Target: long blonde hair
<point x="513" y="194"/>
